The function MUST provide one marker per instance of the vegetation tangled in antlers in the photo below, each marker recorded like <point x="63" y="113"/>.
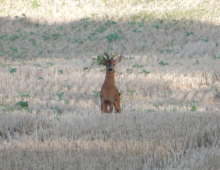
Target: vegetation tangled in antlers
<point x="100" y="59"/>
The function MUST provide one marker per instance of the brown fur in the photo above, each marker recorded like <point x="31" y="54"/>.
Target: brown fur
<point x="110" y="96"/>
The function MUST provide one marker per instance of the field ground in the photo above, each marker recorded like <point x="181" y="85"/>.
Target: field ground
<point x="169" y="79"/>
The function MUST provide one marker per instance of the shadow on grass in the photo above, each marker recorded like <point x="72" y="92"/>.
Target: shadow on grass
<point x="20" y="38"/>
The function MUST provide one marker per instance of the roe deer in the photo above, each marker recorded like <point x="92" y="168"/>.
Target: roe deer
<point x="110" y="95"/>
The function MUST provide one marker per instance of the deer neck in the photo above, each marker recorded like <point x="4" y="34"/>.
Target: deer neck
<point x="110" y="77"/>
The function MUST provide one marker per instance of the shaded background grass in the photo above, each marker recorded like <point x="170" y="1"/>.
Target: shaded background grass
<point x="169" y="80"/>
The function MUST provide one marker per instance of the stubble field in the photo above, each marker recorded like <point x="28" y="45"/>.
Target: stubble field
<point x="169" y="79"/>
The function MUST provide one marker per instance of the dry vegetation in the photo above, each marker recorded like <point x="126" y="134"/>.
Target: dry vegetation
<point x="169" y="79"/>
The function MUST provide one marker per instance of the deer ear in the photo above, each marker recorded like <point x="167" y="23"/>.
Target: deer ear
<point x="118" y="59"/>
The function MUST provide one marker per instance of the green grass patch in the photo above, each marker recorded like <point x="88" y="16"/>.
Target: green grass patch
<point x="113" y="37"/>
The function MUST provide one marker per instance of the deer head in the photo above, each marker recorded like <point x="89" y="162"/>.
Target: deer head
<point x="111" y="61"/>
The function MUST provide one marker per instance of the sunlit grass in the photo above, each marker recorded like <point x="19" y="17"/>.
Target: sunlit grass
<point x="50" y="80"/>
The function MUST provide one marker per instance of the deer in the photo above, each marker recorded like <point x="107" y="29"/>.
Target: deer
<point x="109" y="95"/>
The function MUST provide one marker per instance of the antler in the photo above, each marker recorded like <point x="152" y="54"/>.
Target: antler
<point x="106" y="54"/>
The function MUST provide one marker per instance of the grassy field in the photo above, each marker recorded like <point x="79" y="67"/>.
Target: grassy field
<point x="169" y="79"/>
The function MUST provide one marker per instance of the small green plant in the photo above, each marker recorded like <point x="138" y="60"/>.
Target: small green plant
<point x="188" y="33"/>
<point x="60" y="95"/>
<point x="137" y="65"/>
<point x="52" y="37"/>
<point x="33" y="41"/>
<point x="12" y="70"/>
<point x="110" y="23"/>
<point x="193" y="108"/>
<point x="206" y="39"/>
<point x="101" y="29"/>
<point x="96" y="93"/>
<point x="113" y="37"/>
<point x="60" y="71"/>
<point x="149" y="110"/>
<point x="85" y="68"/>
<point x="131" y="92"/>
<point x="22" y="104"/>
<point x="157" y="25"/>
<point x="13" y="37"/>
<point x="163" y="63"/>
<point x="35" y="4"/>
<point x="77" y="41"/>
<point x="217" y="56"/>
<point x="60" y="28"/>
<point x="40" y="78"/>
<point x="129" y="70"/>
<point x="85" y="22"/>
<point x="136" y="30"/>
<point x="57" y="112"/>
<point x="2" y="53"/>
<point x="57" y="109"/>
<point x="163" y="51"/>
<point x="92" y="36"/>
<point x="4" y="37"/>
<point x="50" y="64"/>
<point x="13" y="49"/>
<point x="145" y="72"/>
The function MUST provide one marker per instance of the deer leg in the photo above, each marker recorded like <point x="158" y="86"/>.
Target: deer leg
<point x="117" y="104"/>
<point x="106" y="107"/>
<point x="102" y="107"/>
<point x="102" y="104"/>
<point x="110" y="108"/>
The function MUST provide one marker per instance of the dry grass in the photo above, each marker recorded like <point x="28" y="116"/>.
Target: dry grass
<point x="169" y="79"/>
